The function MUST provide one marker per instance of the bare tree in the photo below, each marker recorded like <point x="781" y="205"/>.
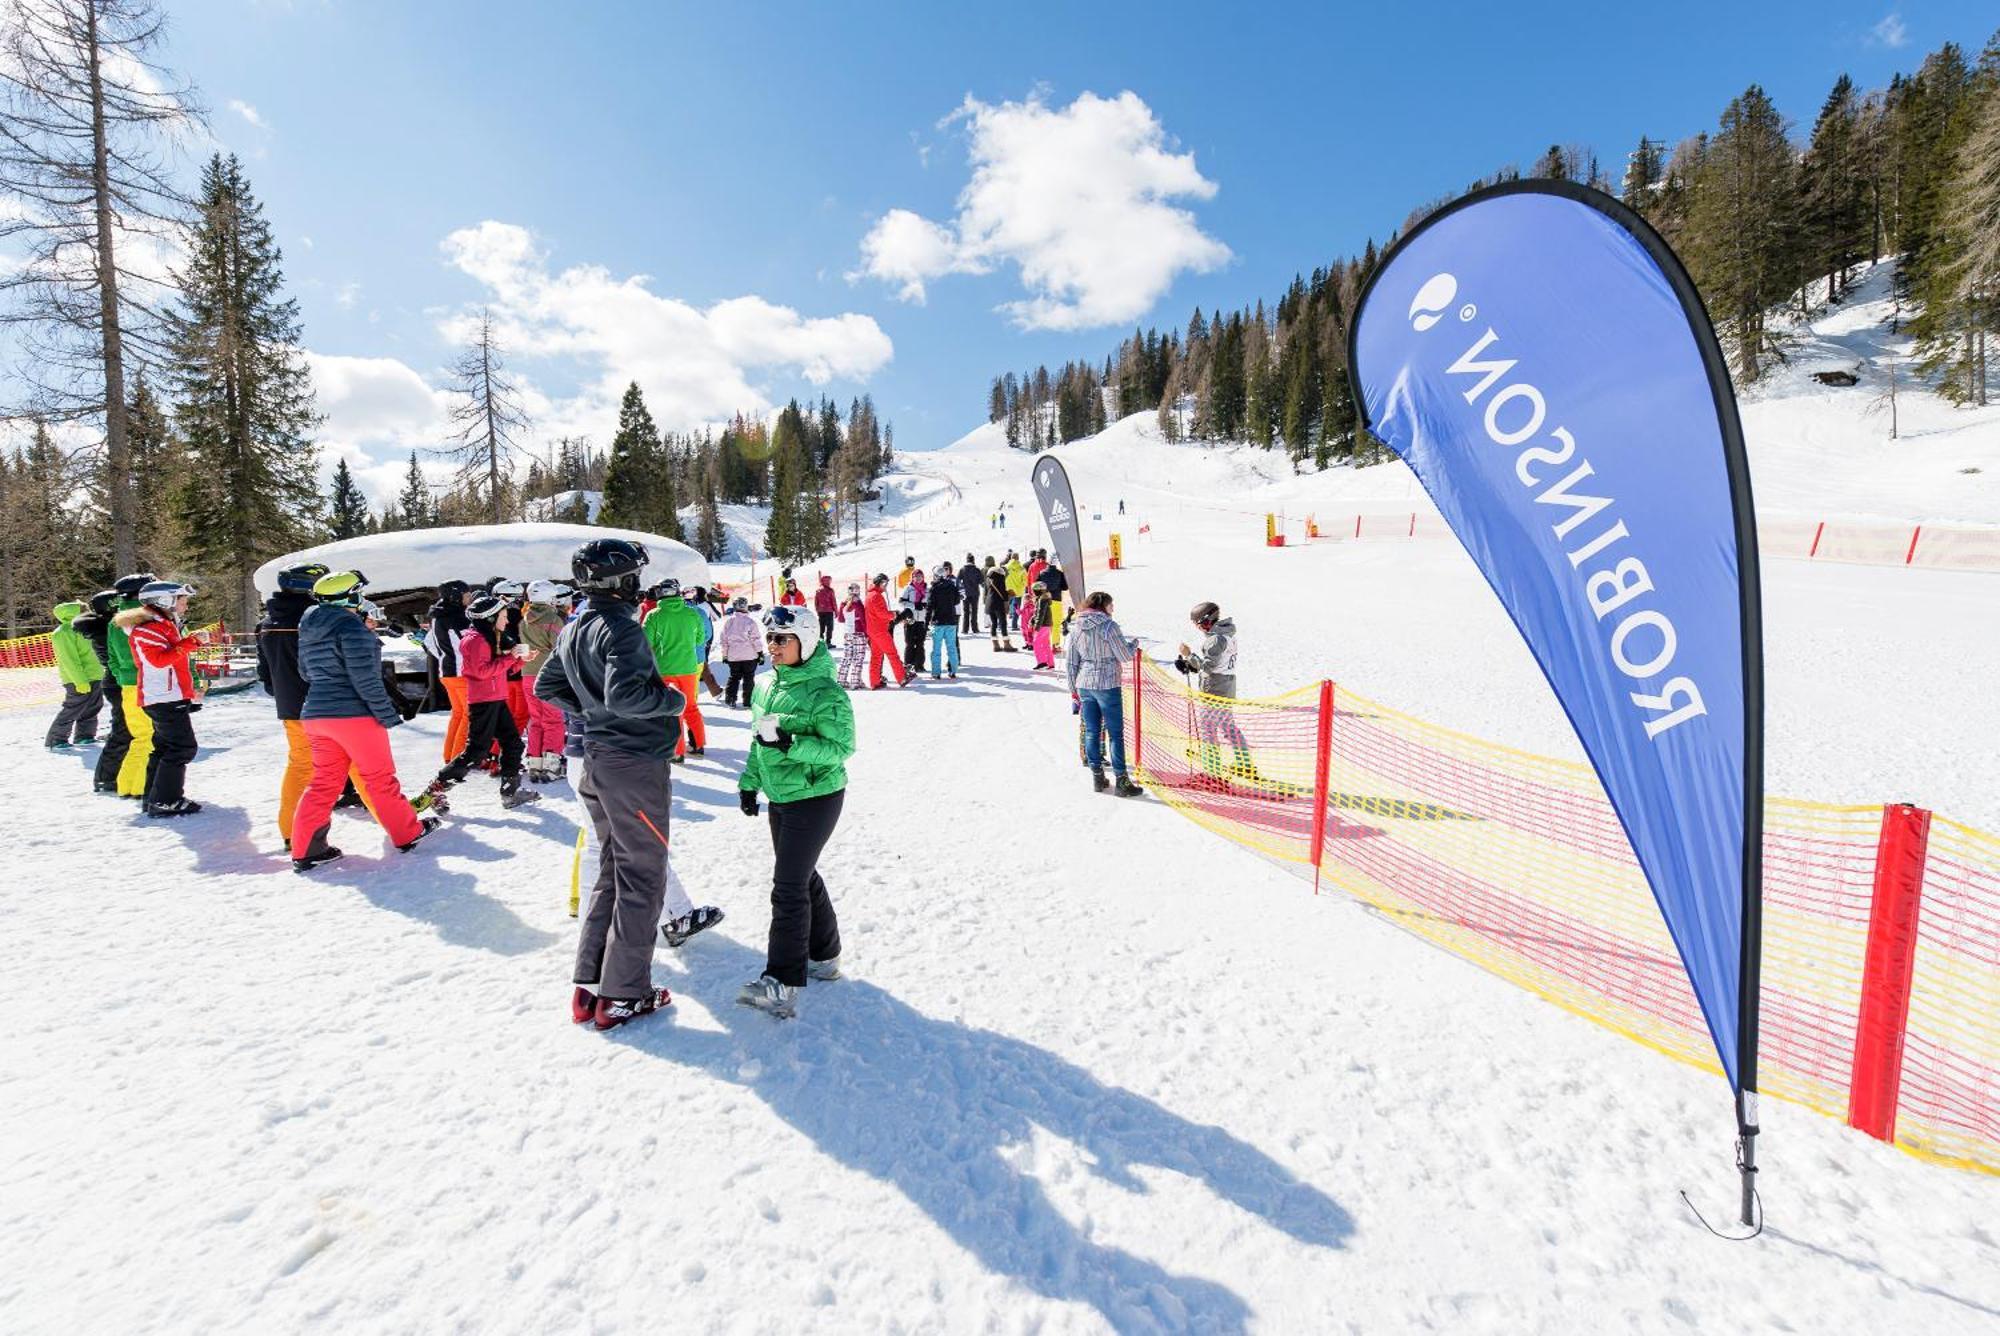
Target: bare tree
<point x="488" y="415"/>
<point x="85" y="114"/>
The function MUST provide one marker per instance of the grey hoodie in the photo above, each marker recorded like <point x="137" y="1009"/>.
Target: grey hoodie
<point x="1215" y="659"/>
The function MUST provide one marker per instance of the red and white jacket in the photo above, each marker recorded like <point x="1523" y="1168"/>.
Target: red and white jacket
<point x="160" y="651"/>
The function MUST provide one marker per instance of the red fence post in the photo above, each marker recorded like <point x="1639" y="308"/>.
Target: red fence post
<point x="1138" y="711"/>
<point x="1877" y="1078"/>
<point x="1814" y="550"/>
<point x="1322" y="757"/>
<point x="1413" y="524"/>
<point x="1357" y="526"/>
<point x="1915" y="534"/>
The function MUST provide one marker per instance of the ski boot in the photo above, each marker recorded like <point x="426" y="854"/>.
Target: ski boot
<point x="1125" y="788"/>
<point x="178" y="807"/>
<point x="699" y="919"/>
<point x="824" y="971"/>
<point x="613" y="1012"/>
<point x="768" y="995"/>
<point x="429" y="824"/>
<point x="582" y="1006"/>
<point x="436" y="798"/>
<point x="1098" y="781"/>
<point x="317" y="851"/>
<point x="512" y="795"/>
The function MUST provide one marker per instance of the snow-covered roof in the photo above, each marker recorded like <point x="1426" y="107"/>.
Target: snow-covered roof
<point x="422" y="558"/>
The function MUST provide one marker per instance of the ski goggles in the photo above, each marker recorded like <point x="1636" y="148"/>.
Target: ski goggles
<point x="783" y="622"/>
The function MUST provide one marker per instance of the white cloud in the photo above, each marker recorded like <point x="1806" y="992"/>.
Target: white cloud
<point x="247" y="112"/>
<point x="377" y="410"/>
<point x="345" y="295"/>
<point x="1891" y="32"/>
<point x="696" y="366"/>
<point x="1078" y="198"/>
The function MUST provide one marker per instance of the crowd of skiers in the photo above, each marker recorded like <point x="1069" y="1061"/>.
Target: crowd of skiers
<point x="599" y="679"/>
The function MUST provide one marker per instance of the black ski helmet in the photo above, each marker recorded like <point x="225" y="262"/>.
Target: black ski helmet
<point x="128" y="586"/>
<point x="299" y="579"/>
<point x="609" y="566"/>
<point x="487" y="608"/>
<point x="104" y="602"/>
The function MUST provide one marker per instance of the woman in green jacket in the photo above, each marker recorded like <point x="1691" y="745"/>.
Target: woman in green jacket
<point x="802" y="732"/>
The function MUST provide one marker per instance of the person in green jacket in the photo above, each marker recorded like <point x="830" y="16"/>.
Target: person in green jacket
<point x="83" y="682"/>
<point x="678" y="632"/>
<point x="802" y="732"/>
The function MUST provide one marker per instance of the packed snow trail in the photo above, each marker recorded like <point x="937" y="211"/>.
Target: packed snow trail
<point x="1092" y="1070"/>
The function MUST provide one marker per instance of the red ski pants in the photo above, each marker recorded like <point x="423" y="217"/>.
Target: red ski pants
<point x="359" y="744"/>
<point x="882" y="645"/>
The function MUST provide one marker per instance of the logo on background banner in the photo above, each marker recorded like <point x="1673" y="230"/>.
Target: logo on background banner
<point x="1058" y="512"/>
<point x="1428" y="306"/>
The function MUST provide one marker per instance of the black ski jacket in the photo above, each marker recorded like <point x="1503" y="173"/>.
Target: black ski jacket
<point x="602" y="671"/>
<point x="944" y="603"/>
<point x="278" y="651"/>
<point x="447" y="621"/>
<point x="1054" y="581"/>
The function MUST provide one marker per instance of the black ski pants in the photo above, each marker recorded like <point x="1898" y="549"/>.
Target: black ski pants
<point x="968" y="615"/>
<point x="915" y="634"/>
<point x="173" y="748"/>
<point x="627" y="797"/>
<point x="77" y="720"/>
<point x="826" y="628"/>
<point x="742" y="674"/>
<point x="803" y="926"/>
<point x="118" y="742"/>
<point x="487" y="722"/>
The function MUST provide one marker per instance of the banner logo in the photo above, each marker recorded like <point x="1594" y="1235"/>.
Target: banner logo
<point x="1428" y="306"/>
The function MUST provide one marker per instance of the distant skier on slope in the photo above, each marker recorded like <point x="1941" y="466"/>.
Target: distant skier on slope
<point x="802" y="733"/>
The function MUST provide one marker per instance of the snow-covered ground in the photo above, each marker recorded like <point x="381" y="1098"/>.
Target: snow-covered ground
<point x="1093" y="1068"/>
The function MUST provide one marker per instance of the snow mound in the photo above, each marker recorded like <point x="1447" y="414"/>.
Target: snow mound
<point x="419" y="558"/>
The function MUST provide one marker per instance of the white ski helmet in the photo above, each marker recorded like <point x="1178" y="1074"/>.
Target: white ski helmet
<point x="801" y="623"/>
<point x="547" y="591"/>
<point x="162" y="593"/>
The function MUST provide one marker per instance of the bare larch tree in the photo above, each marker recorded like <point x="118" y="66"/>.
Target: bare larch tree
<point x="85" y="117"/>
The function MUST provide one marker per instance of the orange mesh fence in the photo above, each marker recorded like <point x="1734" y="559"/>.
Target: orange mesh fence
<point x="1517" y="863"/>
<point x="28" y="672"/>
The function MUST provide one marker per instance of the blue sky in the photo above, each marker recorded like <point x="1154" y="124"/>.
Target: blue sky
<point x="683" y="193"/>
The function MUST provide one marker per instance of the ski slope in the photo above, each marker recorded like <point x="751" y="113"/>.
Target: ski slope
<point x="1093" y="1069"/>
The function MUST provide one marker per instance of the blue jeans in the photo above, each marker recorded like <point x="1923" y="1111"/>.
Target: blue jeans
<point x="943" y="637"/>
<point x="1105" y="710"/>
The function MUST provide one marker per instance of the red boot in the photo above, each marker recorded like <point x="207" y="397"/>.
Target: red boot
<point x="613" y="1012"/>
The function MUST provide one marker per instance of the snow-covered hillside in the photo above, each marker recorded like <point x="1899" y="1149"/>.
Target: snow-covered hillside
<point x="1093" y="1069"/>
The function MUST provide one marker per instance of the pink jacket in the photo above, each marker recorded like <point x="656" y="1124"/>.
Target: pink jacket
<point x="740" y="638"/>
<point x="485" y="672"/>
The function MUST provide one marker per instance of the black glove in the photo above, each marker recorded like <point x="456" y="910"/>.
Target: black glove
<point x="1181" y="665"/>
<point x="747" y="800"/>
<point x="783" y="744"/>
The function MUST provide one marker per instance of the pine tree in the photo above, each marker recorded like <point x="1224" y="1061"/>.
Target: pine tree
<point x="158" y="466"/>
<point x="638" y="488"/>
<point x="1968" y="273"/>
<point x="1834" y="202"/>
<point x="415" y="508"/>
<point x="1742" y="228"/>
<point x="1552" y="165"/>
<point x="1641" y="172"/>
<point x="788" y="481"/>
<point x="347" y="508"/>
<point x="245" y="406"/>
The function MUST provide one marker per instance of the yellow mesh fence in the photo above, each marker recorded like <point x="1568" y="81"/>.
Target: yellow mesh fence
<point x="1517" y="863"/>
